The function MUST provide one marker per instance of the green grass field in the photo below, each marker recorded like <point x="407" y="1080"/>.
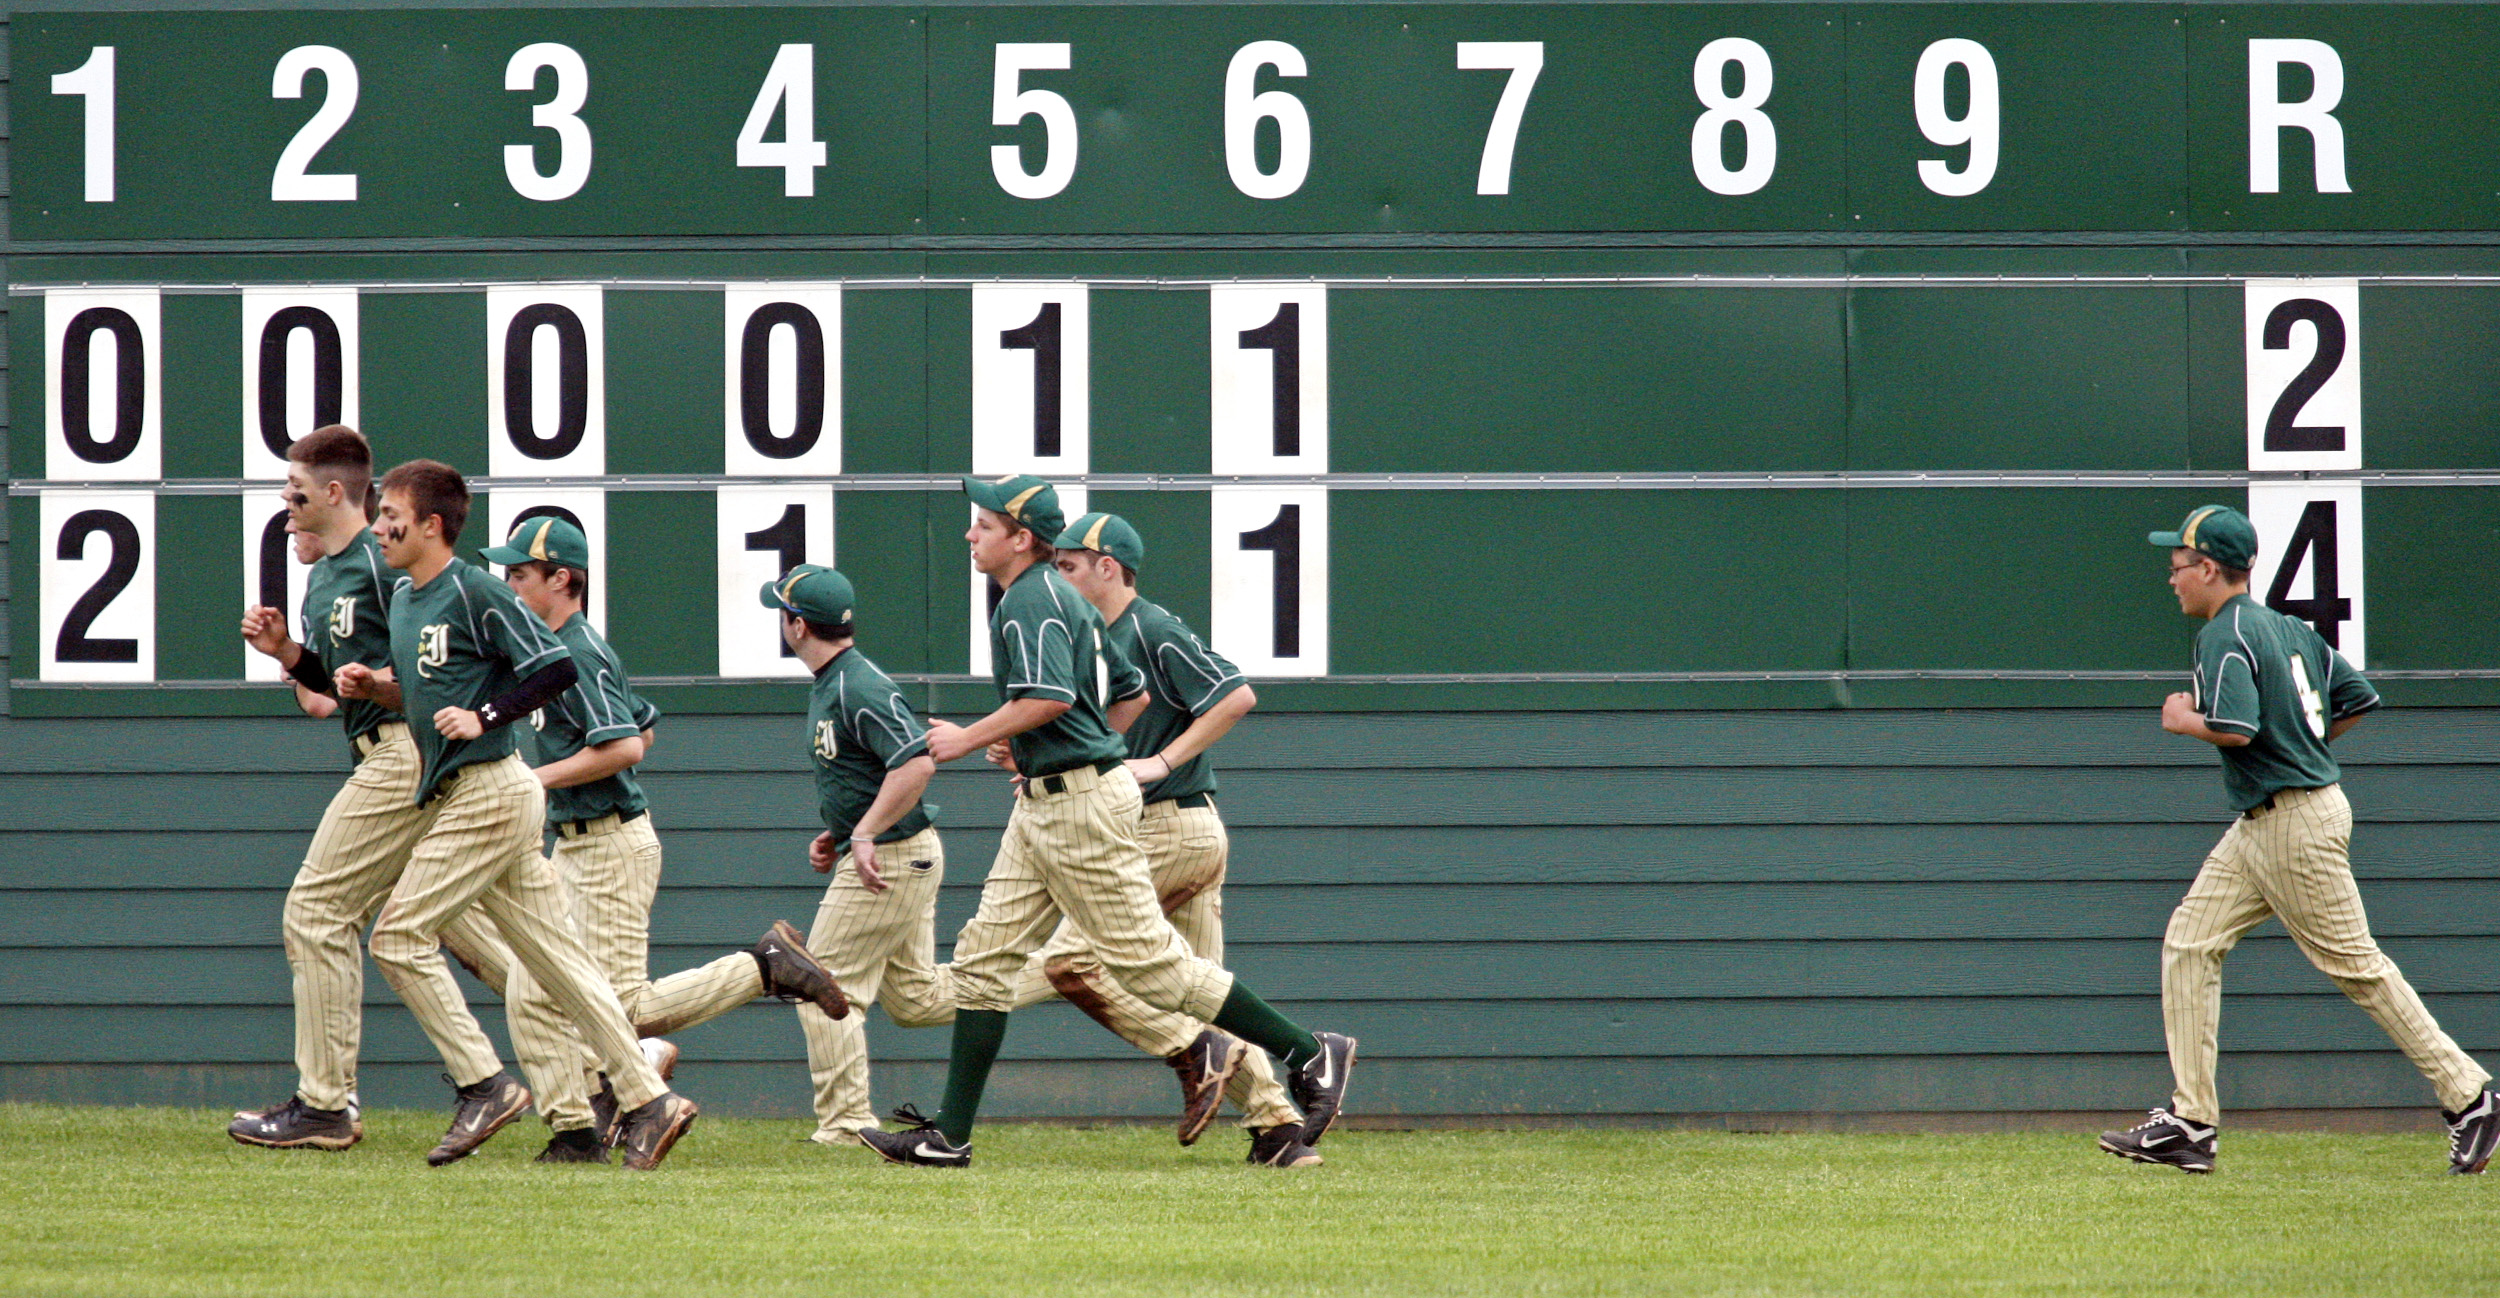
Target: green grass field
<point x="157" y="1201"/>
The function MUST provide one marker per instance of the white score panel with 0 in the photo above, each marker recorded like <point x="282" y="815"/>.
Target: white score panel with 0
<point x="546" y="382"/>
<point x="299" y="370"/>
<point x="583" y="507"/>
<point x="765" y="531"/>
<point x="2309" y="559"/>
<point x="102" y="394"/>
<point x="783" y="411"/>
<point x="273" y="578"/>
<point x="97" y="568"/>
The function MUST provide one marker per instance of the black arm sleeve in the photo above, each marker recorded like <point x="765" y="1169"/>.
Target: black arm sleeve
<point x="309" y="673"/>
<point x="530" y="695"/>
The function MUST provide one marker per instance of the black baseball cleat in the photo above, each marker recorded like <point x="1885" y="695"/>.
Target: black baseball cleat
<point x="603" y="1111"/>
<point x="919" y="1144"/>
<point x="1204" y="1068"/>
<point x="647" y="1134"/>
<point x="2473" y="1133"/>
<point x="296" y="1125"/>
<point x="1281" y="1146"/>
<point x="1319" y="1084"/>
<point x="580" y="1145"/>
<point x="478" y="1111"/>
<point x="793" y="975"/>
<point x="2166" y="1139"/>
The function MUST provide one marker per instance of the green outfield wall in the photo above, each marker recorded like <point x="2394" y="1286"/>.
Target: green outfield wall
<point x="1676" y="473"/>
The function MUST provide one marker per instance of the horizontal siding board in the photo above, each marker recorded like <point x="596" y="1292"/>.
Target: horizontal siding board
<point x="1390" y="1088"/>
<point x="1464" y="971"/>
<point x="1574" y="854"/>
<point x="1341" y="741"/>
<point x="2009" y="796"/>
<point x="767" y="1031"/>
<point x="1362" y="913"/>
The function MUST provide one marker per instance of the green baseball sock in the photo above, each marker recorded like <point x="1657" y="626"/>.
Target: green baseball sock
<point x="978" y="1034"/>
<point x="1257" y="1022"/>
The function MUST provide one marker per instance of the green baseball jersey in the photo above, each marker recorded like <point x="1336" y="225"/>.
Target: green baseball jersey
<point x="347" y="619"/>
<point x="2270" y="676"/>
<point x="859" y="728"/>
<point x="1046" y="642"/>
<point x="457" y="642"/>
<point x="1183" y="679"/>
<point x="600" y="705"/>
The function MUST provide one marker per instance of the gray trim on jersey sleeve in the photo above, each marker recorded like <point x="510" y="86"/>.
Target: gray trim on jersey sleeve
<point x="1029" y="658"/>
<point x="1210" y="677"/>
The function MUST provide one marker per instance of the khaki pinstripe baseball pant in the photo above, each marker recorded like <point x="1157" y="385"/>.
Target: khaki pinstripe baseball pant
<point x="880" y="947"/>
<point x="1075" y="854"/>
<point x="561" y="1070"/>
<point x="2291" y="862"/>
<point x="609" y="877"/>
<point x="356" y="857"/>
<point x="1186" y="849"/>
<point x="481" y="851"/>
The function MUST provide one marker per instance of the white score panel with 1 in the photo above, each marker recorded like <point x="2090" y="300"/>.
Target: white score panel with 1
<point x="764" y="532"/>
<point x="1269" y="378"/>
<point x="1270" y="587"/>
<point x="1031" y="404"/>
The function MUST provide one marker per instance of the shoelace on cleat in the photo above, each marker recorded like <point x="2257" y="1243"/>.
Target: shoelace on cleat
<point x="909" y="1115"/>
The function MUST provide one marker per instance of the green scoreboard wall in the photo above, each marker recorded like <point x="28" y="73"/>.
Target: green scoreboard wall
<point x="1341" y="302"/>
<point x="1726" y="433"/>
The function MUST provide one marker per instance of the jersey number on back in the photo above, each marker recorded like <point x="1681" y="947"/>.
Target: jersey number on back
<point x="2312" y="706"/>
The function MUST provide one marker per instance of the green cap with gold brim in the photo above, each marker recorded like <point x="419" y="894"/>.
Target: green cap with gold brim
<point x="1109" y="534"/>
<point x="545" y="539"/>
<point x="1021" y="496"/>
<point x="814" y="592"/>
<point x="2218" y="532"/>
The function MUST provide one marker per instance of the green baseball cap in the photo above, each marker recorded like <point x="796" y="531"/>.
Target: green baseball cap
<point x="812" y="591"/>
<point x="545" y="539"/>
<point x="2218" y="532"/>
<point x="1108" y="533"/>
<point x="1022" y="497"/>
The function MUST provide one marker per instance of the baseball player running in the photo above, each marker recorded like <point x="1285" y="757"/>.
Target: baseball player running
<point x="875" y="926"/>
<point x="1071" y="847"/>
<point x="2270" y="693"/>
<point x="374" y="820"/>
<point x="468" y="660"/>
<point x="588" y="739"/>
<point x="1192" y="699"/>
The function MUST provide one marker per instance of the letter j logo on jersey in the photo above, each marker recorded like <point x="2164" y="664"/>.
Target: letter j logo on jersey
<point x="828" y="740"/>
<point x="433" y="648"/>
